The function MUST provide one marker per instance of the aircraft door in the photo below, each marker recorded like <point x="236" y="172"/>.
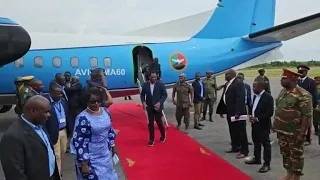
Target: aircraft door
<point x="142" y="55"/>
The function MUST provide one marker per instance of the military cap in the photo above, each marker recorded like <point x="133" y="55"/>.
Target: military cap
<point x="317" y="77"/>
<point x="209" y="72"/>
<point x="182" y="75"/>
<point x="303" y="67"/>
<point x="24" y="78"/>
<point x="261" y="70"/>
<point x="290" y="74"/>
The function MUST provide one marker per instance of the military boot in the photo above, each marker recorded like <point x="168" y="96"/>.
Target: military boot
<point x="210" y="119"/>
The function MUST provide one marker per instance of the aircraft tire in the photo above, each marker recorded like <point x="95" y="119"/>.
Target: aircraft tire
<point x="5" y="108"/>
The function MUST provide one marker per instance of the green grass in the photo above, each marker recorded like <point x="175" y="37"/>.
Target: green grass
<point x="276" y="72"/>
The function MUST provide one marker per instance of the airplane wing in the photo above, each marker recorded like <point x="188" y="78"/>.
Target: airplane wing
<point x="287" y="31"/>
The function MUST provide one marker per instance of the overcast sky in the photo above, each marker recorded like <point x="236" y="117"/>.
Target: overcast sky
<point x="113" y="16"/>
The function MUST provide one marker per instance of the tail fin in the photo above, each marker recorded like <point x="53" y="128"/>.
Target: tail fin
<point x="233" y="18"/>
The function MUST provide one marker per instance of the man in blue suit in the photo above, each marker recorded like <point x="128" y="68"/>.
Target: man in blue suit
<point x="57" y="124"/>
<point x="153" y="95"/>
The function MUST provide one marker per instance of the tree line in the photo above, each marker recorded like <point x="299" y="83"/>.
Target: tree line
<point x="275" y="64"/>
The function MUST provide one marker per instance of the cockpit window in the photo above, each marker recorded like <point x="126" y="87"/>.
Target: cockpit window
<point x="38" y="61"/>
<point x="74" y="61"/>
<point x="56" y="61"/>
<point x="107" y="62"/>
<point x="19" y="63"/>
<point x="94" y="62"/>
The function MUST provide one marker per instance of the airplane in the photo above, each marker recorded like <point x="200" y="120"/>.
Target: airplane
<point x="236" y="33"/>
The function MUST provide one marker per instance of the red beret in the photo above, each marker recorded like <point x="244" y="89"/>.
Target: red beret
<point x="290" y="74"/>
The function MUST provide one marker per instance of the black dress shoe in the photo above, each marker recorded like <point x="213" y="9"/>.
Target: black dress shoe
<point x="200" y="124"/>
<point x="232" y="151"/>
<point x="253" y="161"/>
<point x="264" y="169"/>
<point x="197" y="127"/>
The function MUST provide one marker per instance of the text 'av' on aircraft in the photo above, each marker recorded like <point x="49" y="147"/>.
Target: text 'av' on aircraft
<point x="236" y="32"/>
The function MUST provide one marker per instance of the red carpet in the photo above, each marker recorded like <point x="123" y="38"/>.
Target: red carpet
<point x="180" y="157"/>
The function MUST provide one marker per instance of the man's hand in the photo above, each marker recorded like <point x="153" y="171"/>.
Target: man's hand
<point x="144" y="104"/>
<point x="253" y="119"/>
<point x="237" y="116"/>
<point x="113" y="150"/>
<point x="157" y="106"/>
<point x="300" y="138"/>
<point x="85" y="168"/>
<point x="174" y="102"/>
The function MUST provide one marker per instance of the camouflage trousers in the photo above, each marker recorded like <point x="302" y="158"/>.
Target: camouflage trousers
<point x="183" y="112"/>
<point x="292" y="152"/>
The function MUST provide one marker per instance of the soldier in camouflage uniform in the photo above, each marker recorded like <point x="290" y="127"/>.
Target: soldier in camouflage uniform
<point x="34" y="87"/>
<point x="21" y="87"/>
<point x="210" y="96"/>
<point x="184" y="99"/>
<point x="263" y="78"/>
<point x="292" y="118"/>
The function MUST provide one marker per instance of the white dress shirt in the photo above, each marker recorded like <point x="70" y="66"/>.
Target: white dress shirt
<point x="256" y="101"/>
<point x="302" y="79"/>
<point x="151" y="88"/>
<point x="228" y="84"/>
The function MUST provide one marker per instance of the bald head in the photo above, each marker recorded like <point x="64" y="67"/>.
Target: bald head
<point x="37" y="109"/>
<point x="230" y="74"/>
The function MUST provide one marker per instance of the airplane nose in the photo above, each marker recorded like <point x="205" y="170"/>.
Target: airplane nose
<point x="14" y="41"/>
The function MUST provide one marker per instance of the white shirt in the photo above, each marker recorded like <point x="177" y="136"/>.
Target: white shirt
<point x="151" y="88"/>
<point x="201" y="84"/>
<point x="228" y="84"/>
<point x="256" y="101"/>
<point x="302" y="79"/>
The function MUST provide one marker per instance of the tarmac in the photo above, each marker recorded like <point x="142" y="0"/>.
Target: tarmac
<point x="216" y="137"/>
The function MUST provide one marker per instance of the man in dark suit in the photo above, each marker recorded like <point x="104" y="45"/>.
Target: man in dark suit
<point x="247" y="87"/>
<point x="153" y="95"/>
<point x="234" y="98"/>
<point x="59" y="79"/>
<point x="25" y="149"/>
<point x="58" y="123"/>
<point x="260" y="117"/>
<point x="309" y="85"/>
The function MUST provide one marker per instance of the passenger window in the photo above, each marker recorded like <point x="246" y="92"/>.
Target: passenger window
<point x="107" y="62"/>
<point x="56" y="62"/>
<point x="94" y="62"/>
<point x="74" y="61"/>
<point x="19" y="63"/>
<point x="38" y="62"/>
